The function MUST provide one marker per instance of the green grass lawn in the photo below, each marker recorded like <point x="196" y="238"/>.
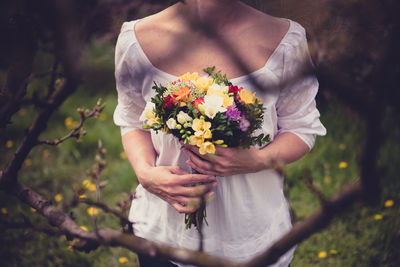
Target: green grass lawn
<point x="363" y="236"/>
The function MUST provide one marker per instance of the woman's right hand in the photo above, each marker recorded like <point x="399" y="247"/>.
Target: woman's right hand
<point x="170" y="183"/>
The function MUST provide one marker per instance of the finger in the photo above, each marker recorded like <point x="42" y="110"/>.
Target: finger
<point x="177" y="170"/>
<point x="194" y="191"/>
<point x="187" y="201"/>
<point x="203" y="164"/>
<point x="201" y="170"/>
<point x="193" y="179"/>
<point x="184" y="209"/>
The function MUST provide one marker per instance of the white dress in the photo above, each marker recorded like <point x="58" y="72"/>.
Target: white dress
<point x="249" y="211"/>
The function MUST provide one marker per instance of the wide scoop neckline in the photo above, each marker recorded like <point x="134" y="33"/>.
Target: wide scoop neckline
<point x="233" y="80"/>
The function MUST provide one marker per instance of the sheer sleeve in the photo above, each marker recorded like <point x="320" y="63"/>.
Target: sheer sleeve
<point x="296" y="107"/>
<point x="130" y="98"/>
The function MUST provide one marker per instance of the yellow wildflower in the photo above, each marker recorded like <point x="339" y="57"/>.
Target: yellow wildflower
<point x="342" y="146"/>
<point x="322" y="254"/>
<point x="247" y="96"/>
<point x="28" y="162"/>
<point x="203" y="83"/>
<point x="22" y="112"/>
<point x="378" y="217"/>
<point x="189" y="76"/>
<point x="69" y="123"/>
<point x="84" y="228"/>
<point x="86" y="182"/>
<point x="122" y="155"/>
<point x="207" y="148"/>
<point x="342" y="165"/>
<point x="333" y="251"/>
<point x="327" y="179"/>
<point x="58" y="197"/>
<point x="123" y="260"/>
<point x="103" y="116"/>
<point x="82" y="196"/>
<point x="4" y="211"/>
<point x="46" y="153"/>
<point x="91" y="187"/>
<point x="33" y="210"/>
<point x="389" y="203"/>
<point x="9" y="144"/>
<point x="92" y="211"/>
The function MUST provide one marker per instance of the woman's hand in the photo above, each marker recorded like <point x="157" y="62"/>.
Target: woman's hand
<point x="225" y="161"/>
<point x="170" y="183"/>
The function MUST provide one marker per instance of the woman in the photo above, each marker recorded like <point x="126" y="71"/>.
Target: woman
<point x="249" y="211"/>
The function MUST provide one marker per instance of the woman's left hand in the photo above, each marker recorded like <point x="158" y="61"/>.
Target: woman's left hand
<point x="225" y="161"/>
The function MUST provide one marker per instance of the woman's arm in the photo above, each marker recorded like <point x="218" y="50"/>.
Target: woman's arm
<point x="287" y="147"/>
<point x="167" y="182"/>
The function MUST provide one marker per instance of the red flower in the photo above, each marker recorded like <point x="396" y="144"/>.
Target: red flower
<point x="198" y="101"/>
<point x="234" y="89"/>
<point x="168" y="102"/>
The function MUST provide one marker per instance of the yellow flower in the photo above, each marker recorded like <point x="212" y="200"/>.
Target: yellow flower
<point x="92" y="211"/>
<point x="327" y="179"/>
<point x="207" y="148"/>
<point x="33" y="210"/>
<point x="86" y="182"/>
<point x="22" y="112"/>
<point x="342" y="165"/>
<point x="4" y="211"/>
<point x="196" y="140"/>
<point x="103" y="116"/>
<point x="91" y="187"/>
<point x="322" y="254"/>
<point x="203" y="83"/>
<point x="82" y="196"/>
<point x="333" y="251"/>
<point x="28" y="162"/>
<point x="378" y="217"/>
<point x="389" y="203"/>
<point x="84" y="228"/>
<point x="122" y="155"/>
<point x="46" y="153"/>
<point x="9" y="144"/>
<point x="247" y="96"/>
<point x="69" y="123"/>
<point x="200" y="125"/>
<point x="123" y="260"/>
<point x="58" y="197"/>
<point x="189" y="76"/>
<point x="202" y="131"/>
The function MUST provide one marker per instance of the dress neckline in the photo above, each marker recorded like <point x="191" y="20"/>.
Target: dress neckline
<point x="233" y="80"/>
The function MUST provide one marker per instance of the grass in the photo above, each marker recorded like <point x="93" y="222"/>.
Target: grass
<point x="358" y="238"/>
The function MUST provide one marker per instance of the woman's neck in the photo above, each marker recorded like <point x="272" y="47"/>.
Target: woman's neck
<point x="216" y="13"/>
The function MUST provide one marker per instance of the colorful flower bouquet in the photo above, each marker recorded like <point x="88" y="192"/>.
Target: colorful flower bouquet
<point x="205" y="111"/>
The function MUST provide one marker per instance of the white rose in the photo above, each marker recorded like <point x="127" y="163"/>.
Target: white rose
<point x="171" y="123"/>
<point x="212" y="105"/>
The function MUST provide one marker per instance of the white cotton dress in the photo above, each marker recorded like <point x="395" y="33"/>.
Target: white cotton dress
<point x="249" y="211"/>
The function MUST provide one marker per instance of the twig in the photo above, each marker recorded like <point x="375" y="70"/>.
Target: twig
<point x="106" y="208"/>
<point x="309" y="183"/>
<point x="76" y="132"/>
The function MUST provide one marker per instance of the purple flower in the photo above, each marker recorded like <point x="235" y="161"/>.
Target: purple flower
<point x="244" y="124"/>
<point x="233" y="113"/>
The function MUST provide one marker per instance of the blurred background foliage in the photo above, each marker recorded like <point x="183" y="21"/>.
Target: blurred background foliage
<point x="353" y="37"/>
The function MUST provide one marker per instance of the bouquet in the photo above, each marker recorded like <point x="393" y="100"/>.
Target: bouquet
<point x="206" y="111"/>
